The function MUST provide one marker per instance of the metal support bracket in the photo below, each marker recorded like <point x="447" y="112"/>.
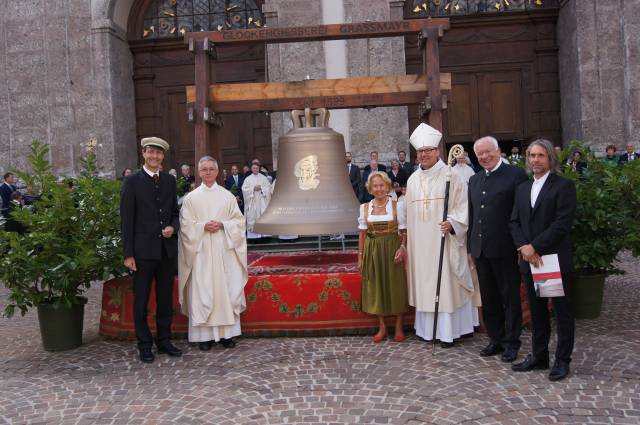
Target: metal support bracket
<point x="191" y="113"/>
<point x="212" y="118"/>
<point x="210" y="48"/>
<point x="427" y="105"/>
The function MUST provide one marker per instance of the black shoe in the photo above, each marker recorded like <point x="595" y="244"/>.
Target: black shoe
<point x="170" y="349"/>
<point x="444" y="344"/>
<point x="491" y="350"/>
<point x="530" y="363"/>
<point x="146" y="355"/>
<point x="509" y="355"/>
<point x="205" y="345"/>
<point x="227" y="342"/>
<point x="559" y="371"/>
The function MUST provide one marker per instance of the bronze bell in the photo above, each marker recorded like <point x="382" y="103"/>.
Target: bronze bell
<point x="313" y="193"/>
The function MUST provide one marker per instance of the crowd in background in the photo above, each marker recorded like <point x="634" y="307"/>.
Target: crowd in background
<point x="14" y="195"/>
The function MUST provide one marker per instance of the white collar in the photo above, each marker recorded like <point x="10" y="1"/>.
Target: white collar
<point x="150" y="173"/>
<point x="542" y="179"/>
<point x="214" y="186"/>
<point x="496" y="167"/>
<point x="438" y="165"/>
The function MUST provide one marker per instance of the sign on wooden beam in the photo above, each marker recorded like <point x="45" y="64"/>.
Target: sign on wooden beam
<point x="320" y="32"/>
<point x="390" y="90"/>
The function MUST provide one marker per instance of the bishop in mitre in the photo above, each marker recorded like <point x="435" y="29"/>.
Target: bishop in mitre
<point x="256" y="190"/>
<point x="212" y="261"/>
<point x="424" y="202"/>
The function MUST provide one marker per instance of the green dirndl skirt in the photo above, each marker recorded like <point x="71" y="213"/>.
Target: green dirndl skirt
<point x="384" y="283"/>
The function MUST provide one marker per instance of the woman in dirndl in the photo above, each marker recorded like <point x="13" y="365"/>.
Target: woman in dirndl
<point x="381" y="254"/>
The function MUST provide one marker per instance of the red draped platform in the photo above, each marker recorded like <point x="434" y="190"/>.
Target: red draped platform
<point x="307" y="293"/>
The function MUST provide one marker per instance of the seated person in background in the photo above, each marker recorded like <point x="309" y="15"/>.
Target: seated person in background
<point x="396" y="173"/>
<point x="576" y="163"/>
<point x="611" y="158"/>
<point x="374" y="157"/>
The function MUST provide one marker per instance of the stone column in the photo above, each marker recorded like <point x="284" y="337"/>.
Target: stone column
<point x="600" y="72"/>
<point x="292" y="61"/>
<point x="382" y="129"/>
<point x="115" y="118"/>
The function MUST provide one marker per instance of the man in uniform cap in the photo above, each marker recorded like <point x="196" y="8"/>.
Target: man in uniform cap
<point x="424" y="208"/>
<point x="150" y="221"/>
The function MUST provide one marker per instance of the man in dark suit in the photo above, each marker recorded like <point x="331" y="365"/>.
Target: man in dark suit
<point x="6" y="189"/>
<point x="354" y="176"/>
<point x="233" y="183"/>
<point x="405" y="166"/>
<point x="374" y="157"/>
<point x="541" y="222"/>
<point x="491" y="193"/>
<point x="629" y="155"/>
<point x="371" y="168"/>
<point x="150" y="221"/>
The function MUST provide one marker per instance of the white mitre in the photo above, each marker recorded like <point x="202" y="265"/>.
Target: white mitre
<point x="425" y="136"/>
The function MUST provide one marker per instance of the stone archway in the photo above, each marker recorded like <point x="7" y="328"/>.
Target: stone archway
<point x="113" y="70"/>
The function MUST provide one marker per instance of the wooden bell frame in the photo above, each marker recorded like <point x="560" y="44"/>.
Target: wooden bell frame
<point x="206" y="101"/>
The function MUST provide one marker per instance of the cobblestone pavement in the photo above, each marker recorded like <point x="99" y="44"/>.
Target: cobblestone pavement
<point x="323" y="380"/>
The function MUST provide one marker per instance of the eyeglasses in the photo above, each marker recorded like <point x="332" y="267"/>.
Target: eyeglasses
<point x="208" y="170"/>
<point x="428" y="150"/>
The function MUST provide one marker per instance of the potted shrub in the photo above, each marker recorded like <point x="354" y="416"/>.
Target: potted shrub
<point x="601" y="230"/>
<point x="72" y="240"/>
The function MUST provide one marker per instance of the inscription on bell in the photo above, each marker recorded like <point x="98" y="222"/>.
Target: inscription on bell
<point x="306" y="170"/>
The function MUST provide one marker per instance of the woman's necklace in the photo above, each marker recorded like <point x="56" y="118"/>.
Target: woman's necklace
<point x="380" y="206"/>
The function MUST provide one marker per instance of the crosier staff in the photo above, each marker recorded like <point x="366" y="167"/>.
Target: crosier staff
<point x="454" y="153"/>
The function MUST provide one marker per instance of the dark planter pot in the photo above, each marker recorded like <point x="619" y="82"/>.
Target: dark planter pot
<point x="61" y="327"/>
<point x="586" y="295"/>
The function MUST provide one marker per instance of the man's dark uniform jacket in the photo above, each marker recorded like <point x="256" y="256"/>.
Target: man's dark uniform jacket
<point x="488" y="232"/>
<point x="144" y="212"/>
<point x="145" y="209"/>
<point x="489" y="242"/>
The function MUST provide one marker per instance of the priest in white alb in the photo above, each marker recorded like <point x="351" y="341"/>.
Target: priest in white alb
<point x="256" y="190"/>
<point x="424" y="202"/>
<point x="212" y="261"/>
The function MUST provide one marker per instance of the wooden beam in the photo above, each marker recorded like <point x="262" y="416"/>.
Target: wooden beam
<point x="390" y="90"/>
<point x="431" y="67"/>
<point x="320" y="32"/>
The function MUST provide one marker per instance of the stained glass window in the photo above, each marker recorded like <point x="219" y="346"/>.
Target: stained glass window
<point x="173" y="18"/>
<point x="425" y="8"/>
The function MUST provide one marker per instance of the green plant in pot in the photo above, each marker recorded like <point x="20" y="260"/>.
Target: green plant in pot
<point x="600" y="231"/>
<point x="72" y="240"/>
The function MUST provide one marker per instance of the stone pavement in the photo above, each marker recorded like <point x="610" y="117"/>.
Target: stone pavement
<point x="323" y="380"/>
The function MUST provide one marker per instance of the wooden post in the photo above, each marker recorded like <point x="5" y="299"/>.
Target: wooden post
<point x="206" y="142"/>
<point x="431" y="67"/>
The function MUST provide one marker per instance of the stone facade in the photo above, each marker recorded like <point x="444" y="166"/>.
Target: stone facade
<point x="66" y="75"/>
<point x="64" y="80"/>
<point x="382" y="129"/>
<point x="600" y="71"/>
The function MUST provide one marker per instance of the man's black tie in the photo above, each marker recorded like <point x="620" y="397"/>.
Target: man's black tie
<point x="156" y="178"/>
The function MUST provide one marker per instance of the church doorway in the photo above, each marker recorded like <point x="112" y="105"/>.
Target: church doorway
<point x="504" y="71"/>
<point x="163" y="66"/>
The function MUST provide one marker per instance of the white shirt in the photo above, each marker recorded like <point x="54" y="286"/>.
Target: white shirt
<point x="150" y="173"/>
<point x="537" y="187"/>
